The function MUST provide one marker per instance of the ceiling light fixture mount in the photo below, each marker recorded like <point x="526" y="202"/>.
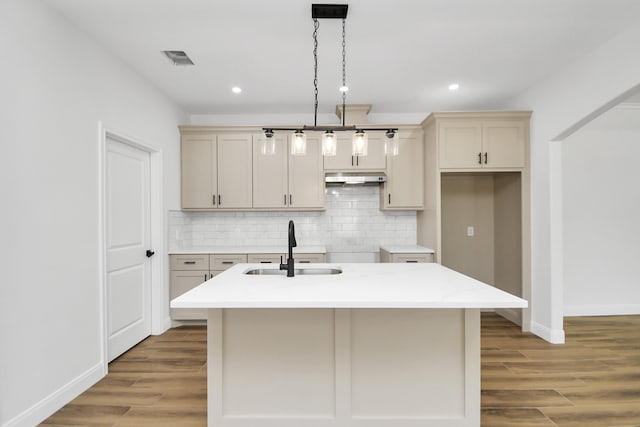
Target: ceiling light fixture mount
<point x="329" y="140"/>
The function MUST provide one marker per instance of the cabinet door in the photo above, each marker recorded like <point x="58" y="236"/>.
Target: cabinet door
<point x="343" y="160"/>
<point x="235" y="171"/>
<point x="181" y="282"/>
<point x="270" y="182"/>
<point x="266" y="258"/>
<point x="198" y="170"/>
<point x="306" y="177"/>
<point x="220" y="262"/>
<point x="308" y="258"/>
<point x="460" y="144"/>
<point x="376" y="158"/>
<point x="503" y="141"/>
<point x="404" y="188"/>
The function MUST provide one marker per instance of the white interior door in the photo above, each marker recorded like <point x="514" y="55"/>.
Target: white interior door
<point x="127" y="220"/>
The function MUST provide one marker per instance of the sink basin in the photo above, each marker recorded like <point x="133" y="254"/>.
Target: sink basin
<point x="297" y="271"/>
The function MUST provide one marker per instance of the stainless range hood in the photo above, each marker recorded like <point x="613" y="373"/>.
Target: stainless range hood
<point x="355" y="178"/>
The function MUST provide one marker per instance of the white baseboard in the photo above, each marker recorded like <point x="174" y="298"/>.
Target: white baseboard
<point x="56" y="400"/>
<point x="511" y="314"/>
<point x="554" y="336"/>
<point x="602" y="310"/>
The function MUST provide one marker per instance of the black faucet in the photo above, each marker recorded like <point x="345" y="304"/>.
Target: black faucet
<point x="292" y="244"/>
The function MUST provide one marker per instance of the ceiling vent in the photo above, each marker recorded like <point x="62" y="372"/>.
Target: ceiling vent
<point x="178" y="57"/>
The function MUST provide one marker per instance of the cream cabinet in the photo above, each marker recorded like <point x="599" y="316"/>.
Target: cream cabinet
<point x="191" y="270"/>
<point x="404" y="188"/>
<point x="477" y="200"/>
<point x="277" y="258"/>
<point x="405" y="257"/>
<point x="481" y="144"/>
<point x="187" y="272"/>
<point x="375" y="160"/>
<point x="284" y="181"/>
<point x="216" y="171"/>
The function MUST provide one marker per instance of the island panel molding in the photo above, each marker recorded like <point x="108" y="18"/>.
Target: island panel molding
<point x="343" y="367"/>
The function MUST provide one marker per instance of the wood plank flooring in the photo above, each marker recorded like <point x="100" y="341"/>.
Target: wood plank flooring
<point x="592" y="380"/>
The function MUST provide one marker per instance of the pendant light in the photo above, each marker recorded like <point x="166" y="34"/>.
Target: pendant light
<point x="360" y="145"/>
<point x="329" y="138"/>
<point x="329" y="143"/>
<point x="392" y="143"/>
<point x="299" y="144"/>
<point x="268" y="144"/>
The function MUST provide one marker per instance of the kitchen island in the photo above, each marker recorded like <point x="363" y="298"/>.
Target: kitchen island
<point x="385" y="345"/>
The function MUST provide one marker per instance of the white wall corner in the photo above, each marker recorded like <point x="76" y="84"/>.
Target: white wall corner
<point x="59" y="398"/>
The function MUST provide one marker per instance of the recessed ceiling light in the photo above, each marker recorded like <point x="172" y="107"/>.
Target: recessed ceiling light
<point x="236" y="89"/>
<point x="178" y="57"/>
<point x="454" y="86"/>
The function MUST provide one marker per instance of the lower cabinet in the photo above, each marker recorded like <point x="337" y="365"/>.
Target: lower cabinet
<point x="191" y="270"/>
<point x="408" y="257"/>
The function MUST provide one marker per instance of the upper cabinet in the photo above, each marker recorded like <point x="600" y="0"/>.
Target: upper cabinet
<point x="283" y="181"/>
<point x="306" y="177"/>
<point x="481" y="143"/>
<point x="404" y="188"/>
<point x="216" y="171"/>
<point x="375" y="160"/>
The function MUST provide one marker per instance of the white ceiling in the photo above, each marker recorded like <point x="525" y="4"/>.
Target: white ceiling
<point x="401" y="54"/>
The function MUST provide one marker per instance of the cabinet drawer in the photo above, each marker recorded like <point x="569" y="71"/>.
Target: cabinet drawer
<point x="308" y="258"/>
<point x="189" y="262"/>
<point x="266" y="258"/>
<point x="224" y="261"/>
<point x="411" y="258"/>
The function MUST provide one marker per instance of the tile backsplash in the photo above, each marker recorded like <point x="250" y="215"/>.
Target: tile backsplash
<point x="352" y="227"/>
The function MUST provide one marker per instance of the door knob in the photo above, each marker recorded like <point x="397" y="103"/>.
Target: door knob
<point x="150" y="253"/>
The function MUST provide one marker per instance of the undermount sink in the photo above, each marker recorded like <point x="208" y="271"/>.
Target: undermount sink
<point x="297" y="271"/>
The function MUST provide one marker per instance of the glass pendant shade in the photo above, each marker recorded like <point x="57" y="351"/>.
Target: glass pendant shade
<point x="392" y="144"/>
<point x="329" y="144"/>
<point x="360" y="145"/>
<point x="268" y="146"/>
<point x="299" y="144"/>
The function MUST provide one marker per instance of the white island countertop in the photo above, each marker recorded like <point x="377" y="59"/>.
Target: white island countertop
<point x="360" y="285"/>
<point x="247" y="250"/>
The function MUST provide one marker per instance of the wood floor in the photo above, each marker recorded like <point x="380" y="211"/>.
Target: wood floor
<point x="592" y="380"/>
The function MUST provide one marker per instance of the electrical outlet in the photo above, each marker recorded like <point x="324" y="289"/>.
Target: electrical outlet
<point x="470" y="231"/>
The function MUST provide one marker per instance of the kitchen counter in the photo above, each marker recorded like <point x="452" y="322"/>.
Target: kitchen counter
<point x="360" y="285"/>
<point x="380" y="345"/>
<point x="248" y="250"/>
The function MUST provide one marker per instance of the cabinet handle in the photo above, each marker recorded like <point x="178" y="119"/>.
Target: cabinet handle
<point x="305" y="262"/>
<point x="227" y="262"/>
<point x="266" y="262"/>
<point x="214" y="200"/>
<point x="389" y="198"/>
<point x="205" y="277"/>
<point x="479" y="158"/>
<point x="351" y="160"/>
<point x="219" y="200"/>
<point x="285" y="199"/>
<point x="486" y="157"/>
<point x="189" y="262"/>
<point x="290" y="199"/>
<point x="357" y="160"/>
<point x="411" y="260"/>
